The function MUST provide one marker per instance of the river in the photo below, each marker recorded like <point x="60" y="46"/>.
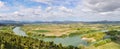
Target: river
<point x="18" y="31"/>
<point x="69" y="40"/>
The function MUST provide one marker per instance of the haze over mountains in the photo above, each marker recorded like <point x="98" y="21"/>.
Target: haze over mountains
<point x="56" y="22"/>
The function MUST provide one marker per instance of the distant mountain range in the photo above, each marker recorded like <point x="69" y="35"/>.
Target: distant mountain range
<point x="56" y="22"/>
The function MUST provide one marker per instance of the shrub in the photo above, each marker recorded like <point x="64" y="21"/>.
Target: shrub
<point x="102" y="42"/>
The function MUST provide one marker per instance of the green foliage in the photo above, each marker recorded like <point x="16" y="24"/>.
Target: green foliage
<point x="10" y="41"/>
<point x="74" y="34"/>
<point x="115" y="35"/>
<point x="102" y="42"/>
<point x="41" y="31"/>
<point x="97" y="35"/>
<point x="50" y="36"/>
<point x="7" y="29"/>
<point x="113" y="32"/>
<point x="81" y="46"/>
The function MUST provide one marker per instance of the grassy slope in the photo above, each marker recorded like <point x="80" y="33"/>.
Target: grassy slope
<point x="111" y="45"/>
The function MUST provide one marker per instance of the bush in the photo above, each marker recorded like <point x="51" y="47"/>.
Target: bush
<point x="97" y="36"/>
<point x="102" y="42"/>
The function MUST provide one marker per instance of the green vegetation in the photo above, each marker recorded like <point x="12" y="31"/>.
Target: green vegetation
<point x="102" y="42"/>
<point x="60" y="30"/>
<point x="74" y="34"/>
<point x="41" y="31"/>
<point x="6" y="29"/>
<point x="98" y="36"/>
<point x="110" y="45"/>
<point x="10" y="41"/>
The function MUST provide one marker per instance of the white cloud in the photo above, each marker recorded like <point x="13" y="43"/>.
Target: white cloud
<point x="3" y="7"/>
<point x="1" y="4"/>
<point x="90" y="10"/>
<point x="49" y="9"/>
<point x="44" y="1"/>
<point x="104" y="13"/>
<point x="58" y="2"/>
<point x="102" y="5"/>
<point x="33" y="14"/>
<point x="65" y="9"/>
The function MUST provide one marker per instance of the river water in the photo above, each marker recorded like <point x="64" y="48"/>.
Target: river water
<point x="74" y="41"/>
<point x="18" y="31"/>
<point x="70" y="40"/>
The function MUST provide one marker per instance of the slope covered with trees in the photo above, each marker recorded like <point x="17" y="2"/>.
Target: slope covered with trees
<point x="11" y="41"/>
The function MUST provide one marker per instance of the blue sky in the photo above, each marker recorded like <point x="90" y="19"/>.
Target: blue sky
<point x="31" y="4"/>
<point x="59" y="10"/>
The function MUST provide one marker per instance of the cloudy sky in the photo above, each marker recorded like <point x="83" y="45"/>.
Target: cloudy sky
<point x="60" y="10"/>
